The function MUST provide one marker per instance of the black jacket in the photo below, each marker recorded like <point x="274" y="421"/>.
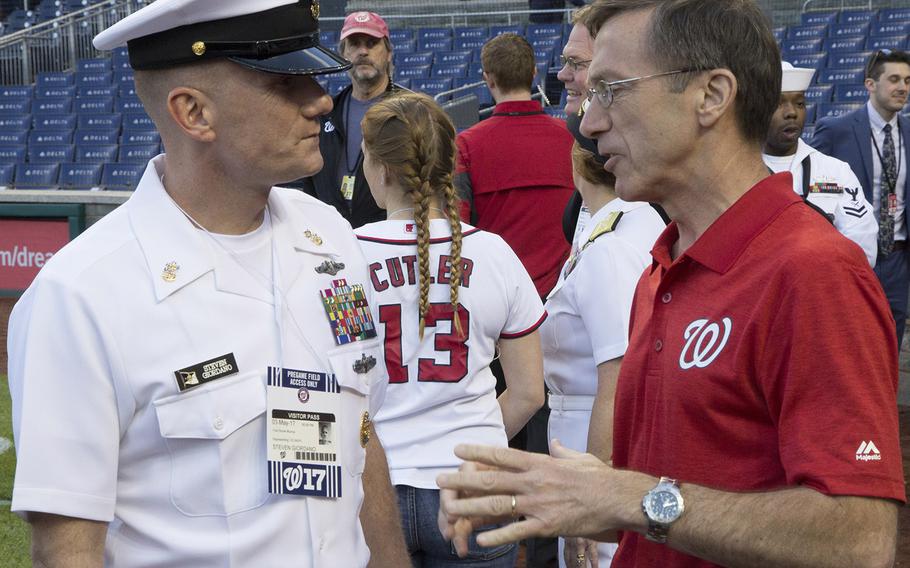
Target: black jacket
<point x="324" y="185"/>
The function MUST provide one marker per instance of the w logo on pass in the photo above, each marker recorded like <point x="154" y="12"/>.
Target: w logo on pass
<point x="705" y="340"/>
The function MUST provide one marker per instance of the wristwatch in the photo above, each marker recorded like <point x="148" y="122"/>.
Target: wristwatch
<point x="662" y="506"/>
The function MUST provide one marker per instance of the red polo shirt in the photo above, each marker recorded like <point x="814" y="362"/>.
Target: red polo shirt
<point x="517" y="170"/>
<point x="764" y="356"/>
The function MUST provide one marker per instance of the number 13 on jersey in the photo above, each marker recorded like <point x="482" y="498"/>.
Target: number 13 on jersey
<point x="447" y="361"/>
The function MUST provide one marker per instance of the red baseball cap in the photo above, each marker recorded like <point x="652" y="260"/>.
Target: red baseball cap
<point x="368" y="23"/>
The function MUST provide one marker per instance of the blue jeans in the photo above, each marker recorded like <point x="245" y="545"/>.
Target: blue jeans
<point x="428" y="549"/>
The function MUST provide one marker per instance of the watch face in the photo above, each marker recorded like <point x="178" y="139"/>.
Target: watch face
<point x="663" y="507"/>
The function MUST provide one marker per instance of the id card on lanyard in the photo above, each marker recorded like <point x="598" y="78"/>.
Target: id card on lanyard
<point x="303" y="433"/>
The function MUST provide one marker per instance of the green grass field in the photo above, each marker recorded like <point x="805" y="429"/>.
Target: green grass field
<point x="14" y="534"/>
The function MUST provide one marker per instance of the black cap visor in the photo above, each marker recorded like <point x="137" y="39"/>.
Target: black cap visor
<point x="315" y="60"/>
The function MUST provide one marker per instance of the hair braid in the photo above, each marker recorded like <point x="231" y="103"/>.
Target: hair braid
<point x="455" y="253"/>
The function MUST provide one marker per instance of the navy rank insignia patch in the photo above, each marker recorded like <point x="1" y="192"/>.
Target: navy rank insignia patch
<point x="348" y="312"/>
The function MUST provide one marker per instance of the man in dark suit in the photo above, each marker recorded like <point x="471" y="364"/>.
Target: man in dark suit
<point x="875" y="141"/>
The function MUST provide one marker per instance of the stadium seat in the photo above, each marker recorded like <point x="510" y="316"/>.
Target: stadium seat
<point x="536" y="30"/>
<point x="121" y="176"/>
<point x="120" y="59"/>
<point x="6" y="174"/>
<point x="856" y="16"/>
<point x="546" y="42"/>
<point x="13" y="105"/>
<point x="484" y="97"/>
<point x="818" y="18"/>
<point x="810" y="113"/>
<point x="890" y="29"/>
<point x="886" y="42"/>
<point x="94" y="65"/>
<point x="808" y="60"/>
<point x="451" y="57"/>
<point x="806" y="32"/>
<point x="57" y="105"/>
<point x="506" y="29"/>
<point x="779" y="33"/>
<point x="807" y="133"/>
<point x="141" y="137"/>
<point x="138" y="153"/>
<point x="801" y="46"/>
<point x="471" y="43"/>
<point x="137" y="121"/>
<point x="475" y="71"/>
<point x="93" y="78"/>
<point x="848" y="60"/>
<point x="328" y="38"/>
<point x="126" y="90"/>
<point x="80" y="175"/>
<point x="894" y="15"/>
<point x="11" y="137"/>
<point x="38" y="137"/>
<point x="50" y="153"/>
<point x="434" y="44"/>
<point x="99" y="91"/>
<point x="54" y="121"/>
<point x="36" y="176"/>
<point x="850" y="93"/>
<point x="845" y="43"/>
<point x="849" y="76"/>
<point x="128" y="104"/>
<point x="402" y="34"/>
<point x="97" y="153"/>
<point x="819" y="93"/>
<point x="451" y="70"/>
<point x="123" y="77"/>
<point x="24" y="91"/>
<point x="835" y="109"/>
<point x="12" y="153"/>
<point x="414" y="72"/>
<point x="434" y="33"/>
<point x="55" y="92"/>
<point x="92" y="105"/>
<point x="471" y="33"/>
<point x="404" y="45"/>
<point x="99" y="121"/>
<point x="337" y="85"/>
<point x="95" y="136"/>
<point x="411" y="59"/>
<point x="15" y="122"/>
<point x="432" y="87"/>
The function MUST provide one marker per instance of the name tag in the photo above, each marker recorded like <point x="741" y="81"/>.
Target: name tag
<point x="303" y="433"/>
<point x="347" y="187"/>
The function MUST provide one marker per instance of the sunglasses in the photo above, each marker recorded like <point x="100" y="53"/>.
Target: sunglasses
<point x="874" y="59"/>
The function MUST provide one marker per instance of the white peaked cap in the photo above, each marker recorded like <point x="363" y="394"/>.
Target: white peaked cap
<point x="795" y="78"/>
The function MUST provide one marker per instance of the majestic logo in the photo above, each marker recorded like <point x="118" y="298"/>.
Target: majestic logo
<point x="704" y="341"/>
<point x="868" y="452"/>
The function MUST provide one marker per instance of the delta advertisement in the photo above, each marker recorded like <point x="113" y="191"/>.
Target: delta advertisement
<point x="25" y="246"/>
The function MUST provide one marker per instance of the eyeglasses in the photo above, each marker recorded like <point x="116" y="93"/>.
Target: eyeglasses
<point x="603" y="90"/>
<point x="574" y="64"/>
<point x="875" y="57"/>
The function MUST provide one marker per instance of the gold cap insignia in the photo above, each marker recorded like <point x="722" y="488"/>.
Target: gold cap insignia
<point x="170" y="271"/>
<point x="199" y="48"/>
<point x="317" y="240"/>
<point x="314" y="9"/>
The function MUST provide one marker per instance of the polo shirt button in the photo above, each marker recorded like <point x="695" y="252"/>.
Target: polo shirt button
<point x="658" y="345"/>
<point x="666" y="298"/>
<point x="218" y="424"/>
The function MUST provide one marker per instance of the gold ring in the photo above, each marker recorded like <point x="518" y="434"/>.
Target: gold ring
<point x="514" y="505"/>
<point x="580" y="557"/>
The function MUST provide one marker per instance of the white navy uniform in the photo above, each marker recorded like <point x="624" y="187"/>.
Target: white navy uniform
<point x="588" y="321"/>
<point x="443" y="392"/>
<point x="833" y="188"/>
<point x="104" y="433"/>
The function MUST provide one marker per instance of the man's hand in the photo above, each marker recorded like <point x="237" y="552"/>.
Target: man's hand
<point x="580" y="552"/>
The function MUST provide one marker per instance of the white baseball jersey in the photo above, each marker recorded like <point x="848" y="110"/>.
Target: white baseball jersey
<point x="833" y="188"/>
<point x="441" y="391"/>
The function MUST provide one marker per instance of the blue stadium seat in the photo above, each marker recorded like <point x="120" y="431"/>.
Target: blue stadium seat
<point x="10" y="137"/>
<point x="546" y="42"/>
<point x="129" y="104"/>
<point x="141" y="137"/>
<point x="432" y="87"/>
<point x="808" y="60"/>
<point x="835" y="109"/>
<point x="38" y="137"/>
<point x="536" y="30"/>
<point x="845" y="43"/>
<point x="849" y="76"/>
<point x="807" y="133"/>
<point x="556" y="112"/>
<point x="329" y="38"/>
<point x="120" y="59"/>
<point x="24" y="91"/>
<point x="80" y="175"/>
<point x="894" y="15"/>
<point x="452" y="70"/>
<point x="841" y="30"/>
<point x="14" y="105"/>
<point x="123" y="77"/>
<point x="850" y="93"/>
<point x="886" y="42"/>
<point x="96" y="136"/>
<point x="50" y="153"/>
<point x="337" y="85"/>
<point x="434" y="44"/>
<point x="484" y="98"/>
<point x="891" y="29"/>
<point x="819" y="93"/>
<point x="450" y="57"/>
<point x="471" y="43"/>
<point x="544" y="54"/>
<point x="474" y="32"/>
<point x="100" y="121"/>
<point x="802" y="46"/>
<point x="58" y="105"/>
<point x="10" y="154"/>
<point x="93" y="105"/>
<point x="138" y="153"/>
<point x="121" y="176"/>
<point x="402" y="34"/>
<point x="411" y="59"/>
<point x="806" y="32"/>
<point x="779" y="33"/>
<point x="54" y="78"/>
<point x="99" y="91"/>
<point x="818" y="18"/>
<point x="414" y="72"/>
<point x="15" y="122"/>
<point x="856" y="16"/>
<point x="475" y="71"/>
<point x="93" y="78"/>
<point x="848" y="60"/>
<point x="434" y="33"/>
<point x="94" y="65"/>
<point x="137" y="121"/>
<point x="404" y="46"/>
<point x="55" y="92"/>
<point x="97" y="153"/>
<point x="36" y="176"/>
<point x="6" y="174"/>
<point x="506" y="29"/>
<point x="126" y="90"/>
<point x="54" y="121"/>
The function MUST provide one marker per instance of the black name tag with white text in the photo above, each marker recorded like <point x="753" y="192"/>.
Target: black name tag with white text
<point x="207" y="371"/>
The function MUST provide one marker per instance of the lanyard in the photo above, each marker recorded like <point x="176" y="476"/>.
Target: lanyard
<point x="897" y="157"/>
<point x="347" y="159"/>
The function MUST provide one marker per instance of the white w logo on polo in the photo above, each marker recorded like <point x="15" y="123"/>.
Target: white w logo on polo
<point x="704" y="341"/>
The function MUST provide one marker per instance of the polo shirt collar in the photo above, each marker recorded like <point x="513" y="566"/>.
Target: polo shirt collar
<point x="510" y="107"/>
<point x="726" y="239"/>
